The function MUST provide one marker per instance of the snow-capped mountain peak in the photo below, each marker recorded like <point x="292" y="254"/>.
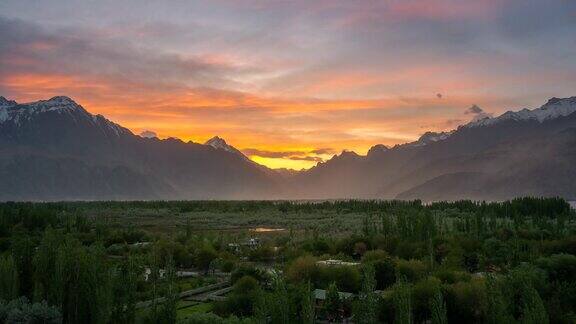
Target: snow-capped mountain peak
<point x="431" y="137"/>
<point x="62" y="107"/>
<point x="4" y="105"/>
<point x="7" y="103"/>
<point x="554" y="108"/>
<point x="17" y="113"/>
<point x="59" y="103"/>
<point x="219" y="143"/>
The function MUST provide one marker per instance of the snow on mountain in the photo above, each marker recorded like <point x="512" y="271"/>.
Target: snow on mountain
<point x="430" y="137"/>
<point x="220" y="144"/>
<point x="59" y="103"/>
<point x="4" y="105"/>
<point x="554" y="108"/>
<point x="7" y="103"/>
<point x="11" y="111"/>
<point x="3" y="114"/>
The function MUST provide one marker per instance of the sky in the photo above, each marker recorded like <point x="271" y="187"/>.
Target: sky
<point x="290" y="83"/>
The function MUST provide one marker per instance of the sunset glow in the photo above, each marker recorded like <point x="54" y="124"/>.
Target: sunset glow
<point x="289" y="83"/>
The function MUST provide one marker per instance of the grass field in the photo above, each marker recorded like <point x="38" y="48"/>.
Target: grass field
<point x="186" y="308"/>
<point x="166" y="221"/>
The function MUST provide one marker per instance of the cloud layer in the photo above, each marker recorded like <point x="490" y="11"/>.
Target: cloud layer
<point x="290" y="82"/>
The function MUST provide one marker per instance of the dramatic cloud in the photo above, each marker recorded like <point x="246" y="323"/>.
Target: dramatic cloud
<point x="306" y="158"/>
<point x="29" y="50"/>
<point x="270" y="154"/>
<point x="290" y="155"/>
<point x="324" y="151"/>
<point x="477" y="113"/>
<point x="474" y="110"/>
<point x="148" y="134"/>
<point x="294" y="81"/>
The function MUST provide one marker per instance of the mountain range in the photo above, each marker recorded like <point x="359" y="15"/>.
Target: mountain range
<point x="55" y="150"/>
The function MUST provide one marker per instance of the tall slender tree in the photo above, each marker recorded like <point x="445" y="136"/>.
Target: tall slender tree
<point x="308" y="311"/>
<point x="171" y="297"/>
<point x="367" y="306"/>
<point x="125" y="280"/>
<point x="402" y="303"/>
<point x="332" y="303"/>
<point x="497" y="307"/>
<point x="438" y="308"/>
<point x="22" y="253"/>
<point x="82" y="283"/>
<point x="8" y="278"/>
<point x="533" y="310"/>
<point x="45" y="266"/>
<point x="279" y="303"/>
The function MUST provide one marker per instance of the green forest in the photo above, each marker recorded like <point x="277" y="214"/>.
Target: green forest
<point x="354" y="261"/>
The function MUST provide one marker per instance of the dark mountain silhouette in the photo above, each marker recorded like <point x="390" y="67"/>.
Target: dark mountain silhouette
<point x="55" y="150"/>
<point x="530" y="152"/>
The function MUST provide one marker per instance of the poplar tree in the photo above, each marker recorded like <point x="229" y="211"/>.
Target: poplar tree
<point x="332" y="303"/>
<point x="82" y="283"/>
<point x="438" y="308"/>
<point x="8" y="278"/>
<point x="125" y="280"/>
<point x="22" y="253"/>
<point x="171" y="297"/>
<point x="45" y="266"/>
<point x="533" y="310"/>
<point x="497" y="307"/>
<point x="366" y="310"/>
<point x="402" y="303"/>
<point x="279" y="303"/>
<point x="308" y="311"/>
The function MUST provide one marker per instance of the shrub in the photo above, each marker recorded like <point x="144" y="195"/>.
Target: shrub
<point x="250" y="271"/>
<point x="242" y="300"/>
<point x="262" y="253"/>
<point x="374" y="255"/>
<point x="22" y="311"/>
<point x="422" y="293"/>
<point x="385" y="273"/>
<point x="303" y="269"/>
<point x="245" y="285"/>
<point x="465" y="302"/>
<point x="560" y="267"/>
<point x="204" y="256"/>
<point x="412" y="270"/>
<point x="346" y="278"/>
<point x="451" y="277"/>
<point x="210" y="318"/>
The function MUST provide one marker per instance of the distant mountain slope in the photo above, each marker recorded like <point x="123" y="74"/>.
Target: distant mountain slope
<point x="54" y="149"/>
<point x="530" y="152"/>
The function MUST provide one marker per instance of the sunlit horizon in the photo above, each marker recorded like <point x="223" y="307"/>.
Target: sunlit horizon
<point x="290" y="83"/>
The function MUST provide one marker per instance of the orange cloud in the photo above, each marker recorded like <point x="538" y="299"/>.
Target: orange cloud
<point x="300" y="126"/>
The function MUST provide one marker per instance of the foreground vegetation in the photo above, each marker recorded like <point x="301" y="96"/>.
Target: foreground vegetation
<point x="397" y="262"/>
